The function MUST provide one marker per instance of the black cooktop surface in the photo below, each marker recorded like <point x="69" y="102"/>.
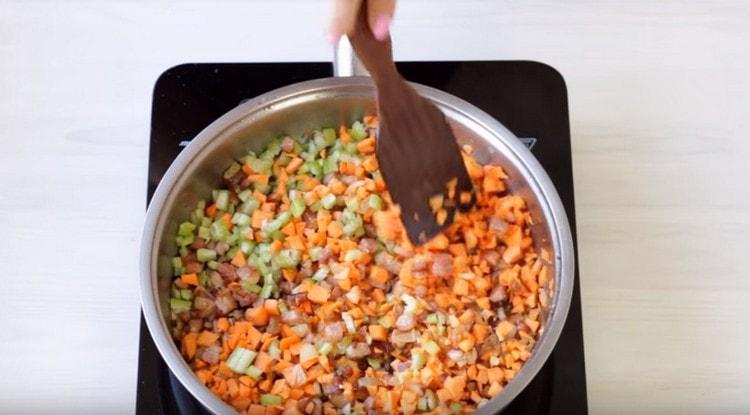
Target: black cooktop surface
<point x="529" y="98"/>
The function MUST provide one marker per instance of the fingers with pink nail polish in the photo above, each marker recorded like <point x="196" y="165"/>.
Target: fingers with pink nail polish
<point x="344" y="17"/>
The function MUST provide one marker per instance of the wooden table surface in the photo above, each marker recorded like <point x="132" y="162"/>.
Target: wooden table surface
<point x="659" y="116"/>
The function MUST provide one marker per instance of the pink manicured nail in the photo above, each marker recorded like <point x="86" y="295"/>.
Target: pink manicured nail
<point x="382" y="26"/>
<point x="333" y="38"/>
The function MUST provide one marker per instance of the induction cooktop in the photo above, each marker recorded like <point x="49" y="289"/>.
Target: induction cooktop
<point x="529" y="98"/>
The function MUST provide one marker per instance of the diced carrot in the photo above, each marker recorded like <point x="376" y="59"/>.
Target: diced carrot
<point x="239" y="259"/>
<point x="294" y="165"/>
<point x="276" y="246"/>
<point x="318" y="294"/>
<point x="455" y="385"/>
<point x="190" y="344"/>
<point x="366" y="146"/>
<point x="227" y="219"/>
<point x="335" y="229"/>
<point x="259" y="178"/>
<point x="257" y="315"/>
<point x="253" y="337"/>
<point x="272" y="306"/>
<point x="189" y="279"/>
<point x="344" y="134"/>
<point x="379" y="274"/>
<point x="211" y="210"/>
<point x="255" y="409"/>
<point x="222" y="324"/>
<point x="378" y="332"/>
<point x="461" y="286"/>
<point x="207" y="338"/>
<point x="295" y="242"/>
<point x="263" y="361"/>
<point x="286" y="342"/>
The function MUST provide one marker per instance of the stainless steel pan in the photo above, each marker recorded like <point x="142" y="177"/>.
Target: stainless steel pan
<point x="309" y="105"/>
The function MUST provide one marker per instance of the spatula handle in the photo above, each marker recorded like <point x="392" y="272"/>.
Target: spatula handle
<point x="376" y="55"/>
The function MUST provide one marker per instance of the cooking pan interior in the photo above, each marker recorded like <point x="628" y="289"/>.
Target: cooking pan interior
<point x="293" y="111"/>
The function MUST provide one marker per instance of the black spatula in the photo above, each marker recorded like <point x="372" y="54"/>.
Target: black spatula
<point x="416" y="149"/>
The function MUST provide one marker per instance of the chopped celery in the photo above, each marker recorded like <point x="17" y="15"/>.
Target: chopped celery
<point x="374" y="363"/>
<point x="186" y="294"/>
<point x="206" y="222"/>
<point x="263" y="188"/>
<point x="329" y="134"/>
<point x="186" y="229"/>
<point x="456" y="407"/>
<point x="221" y="198"/>
<point x="277" y="236"/>
<point x="268" y="399"/>
<point x="249" y="287"/>
<point x="205" y="255"/>
<point x="249" y="206"/>
<point x="352" y="255"/>
<point x="240" y="359"/>
<point x="314" y="252"/>
<point x="204" y="232"/>
<point x="328" y="201"/>
<point x="494" y="361"/>
<point x="241" y="219"/>
<point x="178" y="305"/>
<point x="274" y="350"/>
<point x="233" y="169"/>
<point x="254" y="372"/>
<point x="232" y="252"/>
<point x="353" y="224"/>
<point x="375" y="202"/>
<point x="352" y="204"/>
<point x="325" y="348"/>
<point x="358" y="131"/>
<point x="247" y="247"/>
<point x="283" y="307"/>
<point x="315" y="206"/>
<point x="184" y="240"/>
<point x="276" y="224"/>
<point x="349" y="322"/>
<point x="179" y="269"/>
<point x="213" y="264"/>
<point x="431" y="318"/>
<point x="272" y="150"/>
<point x="203" y="278"/>
<point x="320" y="274"/>
<point x="184" y="251"/>
<point x="297" y="207"/>
<point x="245" y="195"/>
<point x="315" y="167"/>
<point x="258" y="165"/>
<point x="431" y="347"/>
<point x="331" y="164"/>
<point x="219" y="231"/>
<point x="320" y="140"/>
<point x="287" y="258"/>
<point x="267" y="290"/>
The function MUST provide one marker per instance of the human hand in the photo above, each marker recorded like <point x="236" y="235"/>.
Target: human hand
<point x="344" y="17"/>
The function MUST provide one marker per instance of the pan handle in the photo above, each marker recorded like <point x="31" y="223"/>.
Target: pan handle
<point x="345" y="61"/>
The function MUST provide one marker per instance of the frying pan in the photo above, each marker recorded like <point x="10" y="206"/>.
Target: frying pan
<point x="306" y="106"/>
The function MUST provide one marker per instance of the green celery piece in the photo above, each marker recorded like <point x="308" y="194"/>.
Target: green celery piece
<point x="263" y="188"/>
<point x="272" y="150"/>
<point x="278" y="223"/>
<point x="329" y="135"/>
<point x="320" y="274"/>
<point x="254" y="372"/>
<point x="328" y="201"/>
<point x="233" y="169"/>
<point x="314" y="252"/>
<point x="186" y="294"/>
<point x="178" y="305"/>
<point x="212" y="264"/>
<point x="352" y="204"/>
<point x="205" y="255"/>
<point x="375" y="202"/>
<point x="297" y="207"/>
<point x="221" y="198"/>
<point x="204" y="232"/>
<point x="358" y="131"/>
<point x="287" y="258"/>
<point x="267" y="290"/>
<point x="240" y="359"/>
<point x="184" y="240"/>
<point x="219" y="231"/>
<point x="268" y="399"/>
<point x="259" y="165"/>
<point x="241" y="219"/>
<point x="245" y="195"/>
<point x="179" y="269"/>
<point x="249" y="206"/>
<point x="184" y="251"/>
<point x="331" y="163"/>
<point x="247" y="247"/>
